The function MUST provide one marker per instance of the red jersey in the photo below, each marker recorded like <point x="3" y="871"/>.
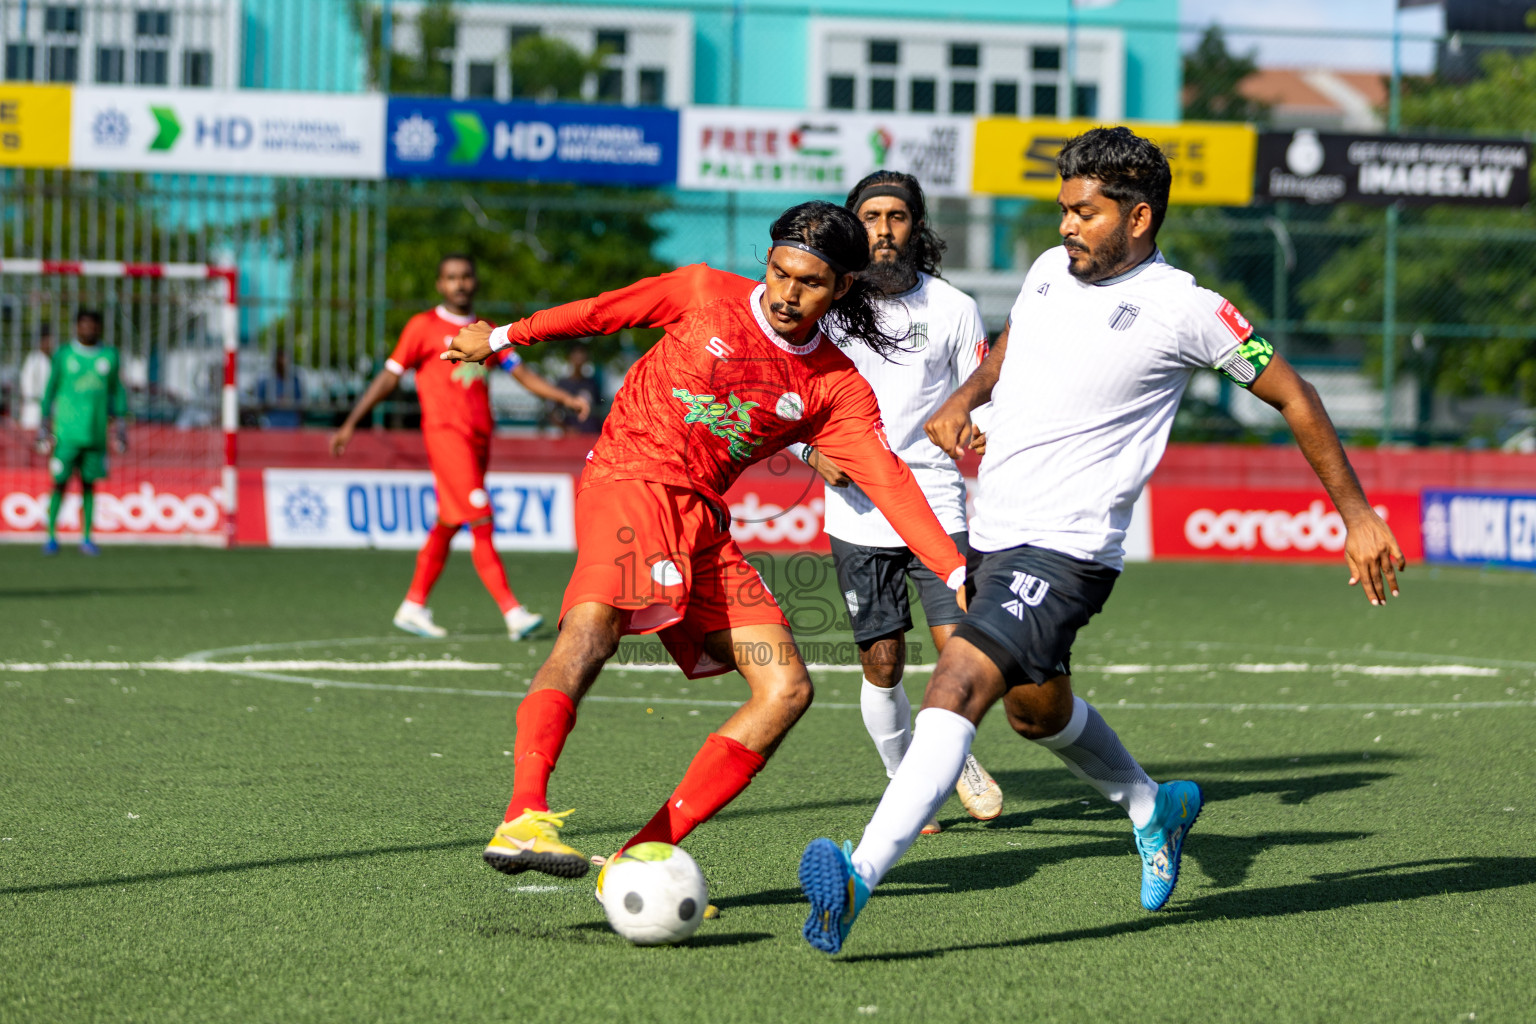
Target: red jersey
<point x="722" y="390"/>
<point x="454" y="396"/>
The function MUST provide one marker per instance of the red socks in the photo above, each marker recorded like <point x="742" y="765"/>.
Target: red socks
<point x="429" y="562"/>
<point x="544" y="719"/>
<point x="720" y="771"/>
<point x="488" y="565"/>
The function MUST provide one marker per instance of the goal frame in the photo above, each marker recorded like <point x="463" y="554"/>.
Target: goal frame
<point x="229" y="315"/>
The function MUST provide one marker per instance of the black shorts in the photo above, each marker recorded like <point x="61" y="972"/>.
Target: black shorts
<point x="874" y="586"/>
<point x="1026" y="606"/>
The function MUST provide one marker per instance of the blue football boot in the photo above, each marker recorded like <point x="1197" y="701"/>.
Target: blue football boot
<point x="1162" y="842"/>
<point x="50" y="546"/>
<point x="835" y="890"/>
<point x="89" y="548"/>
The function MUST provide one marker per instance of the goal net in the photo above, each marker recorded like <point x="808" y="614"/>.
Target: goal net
<point x="176" y="329"/>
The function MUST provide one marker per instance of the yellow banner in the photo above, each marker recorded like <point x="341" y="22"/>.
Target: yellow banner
<point x="1212" y="163"/>
<point x="34" y="125"/>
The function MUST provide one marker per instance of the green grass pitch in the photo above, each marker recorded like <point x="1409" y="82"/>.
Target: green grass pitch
<point x="214" y="845"/>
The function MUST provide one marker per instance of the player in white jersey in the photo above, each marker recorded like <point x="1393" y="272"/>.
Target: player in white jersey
<point x="944" y="344"/>
<point x="1104" y="338"/>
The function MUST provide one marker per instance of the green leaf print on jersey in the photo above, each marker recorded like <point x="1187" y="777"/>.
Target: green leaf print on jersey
<point x="731" y="419"/>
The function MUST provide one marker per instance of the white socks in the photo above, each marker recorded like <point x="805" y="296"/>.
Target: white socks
<point x="924" y="780"/>
<point x="1093" y="753"/>
<point x="888" y="717"/>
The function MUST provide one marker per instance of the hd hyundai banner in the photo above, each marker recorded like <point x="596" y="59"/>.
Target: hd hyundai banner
<point x="382" y="508"/>
<point x="1320" y="168"/>
<point x="492" y="141"/>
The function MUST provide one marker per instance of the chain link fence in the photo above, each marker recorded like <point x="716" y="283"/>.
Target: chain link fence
<point x="331" y="269"/>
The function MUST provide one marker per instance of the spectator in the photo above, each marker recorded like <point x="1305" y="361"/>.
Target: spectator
<point x="280" y="395"/>
<point x="34" y="379"/>
<point x="585" y="380"/>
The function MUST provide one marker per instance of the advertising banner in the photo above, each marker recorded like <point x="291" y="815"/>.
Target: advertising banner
<point x="167" y="506"/>
<point x="491" y="141"/>
<point x="33" y="120"/>
<point x="1480" y="528"/>
<point x="1212" y="164"/>
<point x="1320" y="168"/>
<point x="1197" y="522"/>
<point x="742" y="149"/>
<point x="382" y="508"/>
<point x="286" y="134"/>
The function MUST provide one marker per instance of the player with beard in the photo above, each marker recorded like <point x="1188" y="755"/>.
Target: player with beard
<point x="944" y="342"/>
<point x="1105" y="336"/>
<point x="741" y="373"/>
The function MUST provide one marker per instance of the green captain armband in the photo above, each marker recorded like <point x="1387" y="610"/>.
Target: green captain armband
<point x="1244" y="366"/>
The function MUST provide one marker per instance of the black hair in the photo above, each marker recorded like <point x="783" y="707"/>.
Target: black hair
<point x="837" y="236"/>
<point x="466" y="257"/>
<point x="90" y="314"/>
<point x="926" y="246"/>
<point x="1128" y="168"/>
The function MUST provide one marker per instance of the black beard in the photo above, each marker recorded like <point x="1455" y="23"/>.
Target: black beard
<point x="1107" y="259"/>
<point x="892" y="277"/>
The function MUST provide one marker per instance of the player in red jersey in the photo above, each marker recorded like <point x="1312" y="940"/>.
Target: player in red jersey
<point x="742" y="371"/>
<point x="456" y="424"/>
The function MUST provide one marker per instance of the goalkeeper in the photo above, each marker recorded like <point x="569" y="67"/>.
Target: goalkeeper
<point x="84" y="395"/>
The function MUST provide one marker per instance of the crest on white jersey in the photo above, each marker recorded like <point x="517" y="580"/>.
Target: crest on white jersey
<point x="918" y="339"/>
<point x="1123" y="316"/>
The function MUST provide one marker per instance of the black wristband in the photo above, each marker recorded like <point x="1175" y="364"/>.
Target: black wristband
<point x="805" y="453"/>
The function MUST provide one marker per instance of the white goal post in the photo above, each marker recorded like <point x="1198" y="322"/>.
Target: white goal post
<point x="166" y="521"/>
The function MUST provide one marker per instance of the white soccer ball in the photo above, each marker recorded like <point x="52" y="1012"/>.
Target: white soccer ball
<point x="654" y="893"/>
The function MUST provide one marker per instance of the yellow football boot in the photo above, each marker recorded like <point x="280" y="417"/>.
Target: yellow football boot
<point x="531" y="841"/>
<point x="979" y="793"/>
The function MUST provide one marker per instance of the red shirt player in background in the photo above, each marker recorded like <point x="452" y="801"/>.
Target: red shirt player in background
<point x="742" y="371"/>
<point x="456" y="424"/>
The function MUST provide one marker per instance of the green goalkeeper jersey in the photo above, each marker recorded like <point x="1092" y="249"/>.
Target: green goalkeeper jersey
<point x="84" y="389"/>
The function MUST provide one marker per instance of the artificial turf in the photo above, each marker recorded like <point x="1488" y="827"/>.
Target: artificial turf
<point x="180" y="846"/>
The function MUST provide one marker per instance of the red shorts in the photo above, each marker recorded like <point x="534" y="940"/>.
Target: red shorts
<point x="654" y="552"/>
<point x="458" y="468"/>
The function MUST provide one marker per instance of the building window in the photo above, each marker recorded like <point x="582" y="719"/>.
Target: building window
<point x="61" y="18"/>
<point x="20" y="62"/>
<point x="962" y="97"/>
<point x="197" y="68"/>
<point x="884" y="51"/>
<point x="1045" y="58"/>
<point x="1046" y="103"/>
<point x="521" y="32"/>
<point x="840" y="92"/>
<point x="482" y="81"/>
<point x="923" y="90"/>
<point x="110" y="65"/>
<point x="150" y="67"/>
<point x="964" y="55"/>
<point x="653" y="86"/>
<point x="152" y="23"/>
<point x="1085" y="100"/>
<point x="63" y="63"/>
<point x="610" y="85"/>
<point x="882" y="94"/>
<point x="1005" y="99"/>
<point x="613" y="40"/>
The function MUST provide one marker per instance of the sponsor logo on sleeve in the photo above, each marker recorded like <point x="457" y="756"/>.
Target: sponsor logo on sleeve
<point x="1238" y="324"/>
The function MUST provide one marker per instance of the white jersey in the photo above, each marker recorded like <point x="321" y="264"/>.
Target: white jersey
<point x="1085" y="399"/>
<point x="945" y="343"/>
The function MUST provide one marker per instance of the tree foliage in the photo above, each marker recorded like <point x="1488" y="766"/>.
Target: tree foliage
<point x="1212" y="75"/>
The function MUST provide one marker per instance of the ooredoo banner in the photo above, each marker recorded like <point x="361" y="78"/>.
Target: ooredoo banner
<point x="382" y="508"/>
<point x="743" y="149"/>
<point x="1273" y="525"/>
<point x="165" y="507"/>
<point x="286" y="134"/>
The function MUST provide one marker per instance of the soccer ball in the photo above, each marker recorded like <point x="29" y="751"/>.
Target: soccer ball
<point x="654" y="893"/>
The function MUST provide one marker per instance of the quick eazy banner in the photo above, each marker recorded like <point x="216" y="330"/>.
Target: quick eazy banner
<point x="531" y="142"/>
<point x="1480" y="528"/>
<point x="34" y="123"/>
<point x="741" y="149"/>
<point x="382" y="508"/>
<point x="1212" y="164"/>
<point x="1321" y="168"/>
<point x="285" y="134"/>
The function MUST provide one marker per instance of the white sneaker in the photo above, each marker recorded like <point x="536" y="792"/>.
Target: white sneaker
<point x="521" y="622"/>
<point x="979" y="792"/>
<point x="933" y="827"/>
<point x="417" y="618"/>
